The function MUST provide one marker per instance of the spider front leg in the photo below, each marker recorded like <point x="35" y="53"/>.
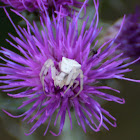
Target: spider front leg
<point x="70" y="79"/>
<point x="49" y="63"/>
<point x="76" y="84"/>
<point x="81" y="82"/>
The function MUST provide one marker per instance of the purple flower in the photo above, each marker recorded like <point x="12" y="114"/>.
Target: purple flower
<point x="129" y="37"/>
<point x="54" y="42"/>
<point x="67" y="6"/>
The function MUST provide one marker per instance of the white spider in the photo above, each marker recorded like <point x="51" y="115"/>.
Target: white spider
<point x="69" y="71"/>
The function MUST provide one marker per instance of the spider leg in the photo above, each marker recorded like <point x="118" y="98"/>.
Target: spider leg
<point x="49" y="63"/>
<point x="43" y="78"/>
<point x="81" y="83"/>
<point x="54" y="72"/>
<point x="46" y="64"/>
<point x="70" y="79"/>
<point x="71" y="83"/>
<point x="76" y="84"/>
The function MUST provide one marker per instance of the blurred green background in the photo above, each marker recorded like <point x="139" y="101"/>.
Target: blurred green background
<point x="127" y="115"/>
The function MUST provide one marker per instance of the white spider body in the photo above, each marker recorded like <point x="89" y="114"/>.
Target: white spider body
<point x="67" y="65"/>
<point x="69" y="71"/>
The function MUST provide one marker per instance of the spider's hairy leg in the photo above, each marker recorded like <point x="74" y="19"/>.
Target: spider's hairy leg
<point x="70" y="76"/>
<point x="70" y="79"/>
<point x="49" y="63"/>
<point x="76" y="84"/>
<point x="81" y="82"/>
<point x="54" y="72"/>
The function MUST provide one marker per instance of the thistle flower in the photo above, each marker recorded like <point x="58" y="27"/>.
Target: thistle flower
<point x="53" y="43"/>
<point x="129" y="36"/>
<point x="67" y="6"/>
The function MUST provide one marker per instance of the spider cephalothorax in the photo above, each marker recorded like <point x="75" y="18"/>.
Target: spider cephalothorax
<point x="69" y="71"/>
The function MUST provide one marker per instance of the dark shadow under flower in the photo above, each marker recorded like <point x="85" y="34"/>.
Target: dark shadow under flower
<point x="54" y="42"/>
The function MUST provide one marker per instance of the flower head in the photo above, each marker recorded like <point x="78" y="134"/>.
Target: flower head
<point x="67" y="6"/>
<point x="129" y="37"/>
<point x="40" y="62"/>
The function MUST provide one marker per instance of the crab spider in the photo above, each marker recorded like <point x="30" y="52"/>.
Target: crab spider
<point x="69" y="71"/>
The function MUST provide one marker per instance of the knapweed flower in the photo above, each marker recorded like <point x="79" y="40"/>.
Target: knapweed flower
<point x="129" y="37"/>
<point x="67" y="6"/>
<point x="54" y="64"/>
